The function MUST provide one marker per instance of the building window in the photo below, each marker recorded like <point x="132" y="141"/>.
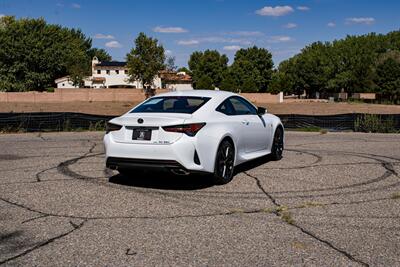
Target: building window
<point x="117" y="71"/>
<point x="126" y="71"/>
<point x="98" y="71"/>
<point x="108" y="72"/>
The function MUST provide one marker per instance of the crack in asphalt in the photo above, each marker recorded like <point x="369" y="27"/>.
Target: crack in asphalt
<point x="292" y="223"/>
<point x="35" y="218"/>
<point x="45" y="243"/>
<point x="37" y="175"/>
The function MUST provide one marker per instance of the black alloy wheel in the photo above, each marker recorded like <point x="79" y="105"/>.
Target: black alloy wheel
<point x="224" y="163"/>
<point x="277" y="145"/>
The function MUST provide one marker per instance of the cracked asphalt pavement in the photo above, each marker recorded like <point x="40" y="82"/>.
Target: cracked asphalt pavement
<point x="333" y="200"/>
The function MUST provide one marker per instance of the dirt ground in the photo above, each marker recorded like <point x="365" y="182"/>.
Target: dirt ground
<point x="117" y="108"/>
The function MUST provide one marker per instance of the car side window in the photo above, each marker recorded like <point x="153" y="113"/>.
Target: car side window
<point x="226" y="108"/>
<point x="242" y="107"/>
<point x="236" y="106"/>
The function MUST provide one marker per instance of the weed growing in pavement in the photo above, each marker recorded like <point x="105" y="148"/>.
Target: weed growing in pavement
<point x="310" y="204"/>
<point x="284" y="214"/>
<point x="396" y="195"/>
<point x="323" y="131"/>
<point x="238" y="211"/>
<point x="287" y="217"/>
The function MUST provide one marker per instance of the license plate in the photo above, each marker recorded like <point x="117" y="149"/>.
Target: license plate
<point x="141" y="134"/>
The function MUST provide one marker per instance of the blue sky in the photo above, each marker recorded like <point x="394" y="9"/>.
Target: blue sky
<point x="184" y="26"/>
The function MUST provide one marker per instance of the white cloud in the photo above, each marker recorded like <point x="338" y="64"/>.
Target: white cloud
<point x="274" y="11"/>
<point x="365" y="21"/>
<point x="303" y="8"/>
<point x="331" y="24"/>
<point x="2" y="15"/>
<point x="246" y="33"/>
<point x="290" y="25"/>
<point x="113" y="44"/>
<point x="103" y="36"/>
<point x="214" y="39"/>
<point x="188" y="42"/>
<point x="168" y="52"/>
<point x="76" y="6"/>
<point x="240" y="41"/>
<point x="279" y="39"/>
<point x="232" y="48"/>
<point x="169" y="29"/>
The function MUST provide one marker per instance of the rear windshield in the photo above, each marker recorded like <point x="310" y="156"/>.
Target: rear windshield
<point x="172" y="104"/>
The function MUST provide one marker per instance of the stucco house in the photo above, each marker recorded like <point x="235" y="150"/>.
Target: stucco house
<point x="175" y="81"/>
<point x="114" y="74"/>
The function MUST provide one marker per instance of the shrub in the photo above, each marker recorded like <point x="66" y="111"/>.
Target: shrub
<point x="372" y="123"/>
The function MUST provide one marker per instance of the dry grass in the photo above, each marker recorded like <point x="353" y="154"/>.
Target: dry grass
<point x="396" y="195"/>
<point x="323" y="131"/>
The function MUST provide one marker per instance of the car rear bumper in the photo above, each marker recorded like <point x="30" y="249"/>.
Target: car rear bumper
<point x="116" y="163"/>
<point x="177" y="156"/>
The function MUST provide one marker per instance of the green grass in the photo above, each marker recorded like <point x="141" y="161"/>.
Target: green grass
<point x="315" y="129"/>
<point x="308" y="129"/>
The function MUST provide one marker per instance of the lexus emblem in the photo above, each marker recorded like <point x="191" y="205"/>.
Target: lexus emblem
<point x="140" y="120"/>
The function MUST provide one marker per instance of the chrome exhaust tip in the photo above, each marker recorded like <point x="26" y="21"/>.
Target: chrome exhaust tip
<point x="113" y="167"/>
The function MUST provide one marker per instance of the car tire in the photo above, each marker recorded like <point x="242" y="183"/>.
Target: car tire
<point x="224" y="163"/>
<point x="277" y="144"/>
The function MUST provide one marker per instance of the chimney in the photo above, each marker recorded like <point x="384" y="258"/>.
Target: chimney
<point x="95" y="61"/>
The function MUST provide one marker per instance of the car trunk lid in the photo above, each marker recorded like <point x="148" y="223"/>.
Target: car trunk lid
<point x="146" y="128"/>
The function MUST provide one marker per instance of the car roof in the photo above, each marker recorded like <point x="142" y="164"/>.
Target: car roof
<point x="203" y="93"/>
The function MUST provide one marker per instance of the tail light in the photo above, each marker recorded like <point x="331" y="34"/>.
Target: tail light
<point x="188" y="129"/>
<point x="112" y="127"/>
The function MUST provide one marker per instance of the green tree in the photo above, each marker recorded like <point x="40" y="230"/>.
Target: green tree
<point x="205" y="82"/>
<point x="145" y="60"/>
<point x="354" y="59"/>
<point x="209" y="63"/>
<point x="280" y="82"/>
<point x="247" y="77"/>
<point x="229" y="82"/>
<point x="388" y="78"/>
<point x="101" y="54"/>
<point x="348" y="64"/>
<point x="33" y="54"/>
<point x="258" y="68"/>
<point x="170" y="64"/>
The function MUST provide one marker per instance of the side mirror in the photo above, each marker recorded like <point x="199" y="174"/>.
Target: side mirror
<point x="261" y="110"/>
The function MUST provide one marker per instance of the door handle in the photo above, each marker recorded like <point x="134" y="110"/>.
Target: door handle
<point x="245" y="122"/>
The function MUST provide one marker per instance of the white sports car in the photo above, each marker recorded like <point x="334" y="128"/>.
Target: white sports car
<point x="192" y="131"/>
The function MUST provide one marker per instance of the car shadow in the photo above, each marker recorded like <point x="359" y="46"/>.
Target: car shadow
<point x="169" y="181"/>
<point x="163" y="180"/>
<point x="252" y="164"/>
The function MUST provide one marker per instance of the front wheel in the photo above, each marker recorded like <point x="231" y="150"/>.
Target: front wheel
<point x="277" y="144"/>
<point x="224" y="163"/>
